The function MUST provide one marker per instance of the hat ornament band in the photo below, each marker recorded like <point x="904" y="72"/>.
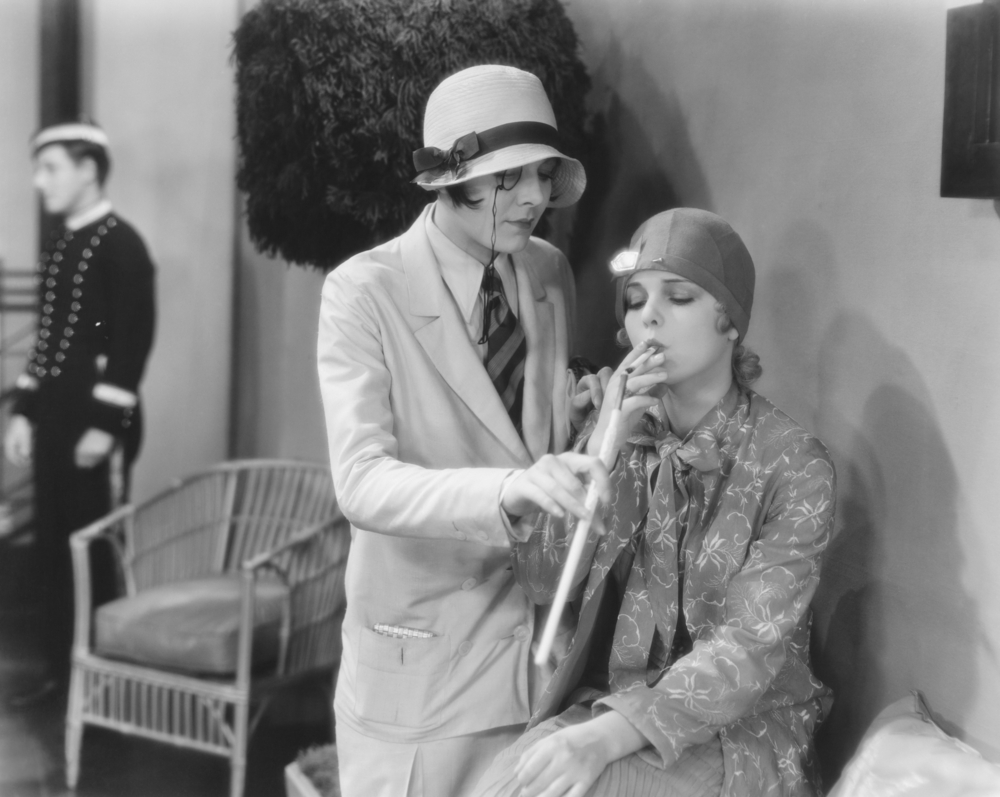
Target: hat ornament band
<point x="474" y="145"/>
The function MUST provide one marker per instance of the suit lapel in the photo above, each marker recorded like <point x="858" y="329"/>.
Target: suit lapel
<point x="538" y="320"/>
<point x="440" y="330"/>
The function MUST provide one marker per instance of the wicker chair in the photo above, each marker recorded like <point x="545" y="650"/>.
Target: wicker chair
<point x="259" y="523"/>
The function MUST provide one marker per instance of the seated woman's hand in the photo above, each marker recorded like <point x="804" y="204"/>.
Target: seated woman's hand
<point x="589" y="395"/>
<point x="647" y="373"/>
<point x="565" y="764"/>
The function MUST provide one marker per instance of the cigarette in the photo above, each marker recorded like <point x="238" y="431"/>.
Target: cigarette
<point x="640" y="360"/>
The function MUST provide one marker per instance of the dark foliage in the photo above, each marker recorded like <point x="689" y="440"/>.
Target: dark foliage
<point x="330" y="99"/>
<point x="320" y="765"/>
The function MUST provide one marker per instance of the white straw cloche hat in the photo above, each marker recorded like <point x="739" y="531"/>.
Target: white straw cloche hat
<point x="488" y="119"/>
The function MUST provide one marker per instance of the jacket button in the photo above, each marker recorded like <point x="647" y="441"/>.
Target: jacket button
<point x="469" y="583"/>
<point x="55" y="370"/>
<point x="465" y="648"/>
<point x="521" y="633"/>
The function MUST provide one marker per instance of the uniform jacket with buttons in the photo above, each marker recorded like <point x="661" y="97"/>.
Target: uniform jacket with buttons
<point x="95" y="330"/>
<point x="420" y="445"/>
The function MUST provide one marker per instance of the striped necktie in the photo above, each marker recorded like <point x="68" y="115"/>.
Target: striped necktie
<point x="506" y="347"/>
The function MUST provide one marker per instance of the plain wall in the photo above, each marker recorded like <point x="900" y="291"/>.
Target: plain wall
<point x="158" y="79"/>
<point x="20" y="22"/>
<point x="815" y="129"/>
<point x="278" y="411"/>
<point x="19" y="42"/>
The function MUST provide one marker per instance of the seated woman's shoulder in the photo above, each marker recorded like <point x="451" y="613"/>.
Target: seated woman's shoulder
<point x="781" y="435"/>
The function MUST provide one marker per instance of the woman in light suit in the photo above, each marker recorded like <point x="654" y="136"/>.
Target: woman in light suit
<point x="443" y="366"/>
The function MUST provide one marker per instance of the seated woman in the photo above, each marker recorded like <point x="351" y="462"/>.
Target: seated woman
<point x="689" y="673"/>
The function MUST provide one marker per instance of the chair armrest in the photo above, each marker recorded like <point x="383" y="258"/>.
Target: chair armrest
<point x="252" y="568"/>
<point x="267" y="558"/>
<point x="79" y="543"/>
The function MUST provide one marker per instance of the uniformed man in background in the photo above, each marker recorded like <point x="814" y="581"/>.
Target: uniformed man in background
<point x="76" y="414"/>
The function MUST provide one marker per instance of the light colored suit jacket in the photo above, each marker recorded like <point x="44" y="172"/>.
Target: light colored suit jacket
<point x="420" y="445"/>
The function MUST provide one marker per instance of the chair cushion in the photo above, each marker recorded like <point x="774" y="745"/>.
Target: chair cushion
<point x="191" y="626"/>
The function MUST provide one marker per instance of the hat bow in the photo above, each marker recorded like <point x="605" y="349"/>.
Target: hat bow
<point x="463" y="149"/>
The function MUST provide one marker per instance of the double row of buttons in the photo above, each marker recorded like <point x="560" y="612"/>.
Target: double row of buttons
<point x="50" y="264"/>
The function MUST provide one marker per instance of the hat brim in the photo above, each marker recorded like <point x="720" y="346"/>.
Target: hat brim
<point x="567" y="187"/>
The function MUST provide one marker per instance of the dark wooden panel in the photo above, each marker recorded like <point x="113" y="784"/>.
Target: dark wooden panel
<point x="970" y="146"/>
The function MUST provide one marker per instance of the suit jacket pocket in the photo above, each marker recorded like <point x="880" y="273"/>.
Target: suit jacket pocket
<point x="397" y="679"/>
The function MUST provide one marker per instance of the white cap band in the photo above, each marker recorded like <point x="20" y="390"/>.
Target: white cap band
<point x="77" y="131"/>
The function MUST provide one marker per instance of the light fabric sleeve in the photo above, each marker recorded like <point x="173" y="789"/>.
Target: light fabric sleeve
<point x="376" y="490"/>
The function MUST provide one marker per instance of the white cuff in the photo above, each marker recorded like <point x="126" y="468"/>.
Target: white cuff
<point x="521" y="528"/>
<point x="25" y="382"/>
<point x="119" y="397"/>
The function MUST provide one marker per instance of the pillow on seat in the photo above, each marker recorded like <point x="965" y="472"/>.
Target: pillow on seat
<point x="191" y="626"/>
<point x="905" y="754"/>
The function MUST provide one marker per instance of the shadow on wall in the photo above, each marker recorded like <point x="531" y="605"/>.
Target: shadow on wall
<point x="891" y="611"/>
<point x="631" y="175"/>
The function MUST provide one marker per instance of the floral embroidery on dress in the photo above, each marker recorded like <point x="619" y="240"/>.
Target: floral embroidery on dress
<point x="727" y="528"/>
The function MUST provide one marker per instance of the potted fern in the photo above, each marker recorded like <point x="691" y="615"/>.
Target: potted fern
<point x="330" y="98"/>
<point x="313" y="773"/>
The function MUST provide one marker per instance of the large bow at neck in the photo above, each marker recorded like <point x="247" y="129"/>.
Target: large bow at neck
<point x="700" y="452"/>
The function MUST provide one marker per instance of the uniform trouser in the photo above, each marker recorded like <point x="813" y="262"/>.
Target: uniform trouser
<point x="67" y="498"/>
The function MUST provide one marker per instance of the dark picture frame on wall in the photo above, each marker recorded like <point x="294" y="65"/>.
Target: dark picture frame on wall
<point x="970" y="146"/>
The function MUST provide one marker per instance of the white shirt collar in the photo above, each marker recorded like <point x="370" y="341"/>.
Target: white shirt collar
<point x="89" y="216"/>
<point x="463" y="274"/>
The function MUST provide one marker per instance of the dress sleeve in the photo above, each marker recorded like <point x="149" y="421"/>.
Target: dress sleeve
<point x="376" y="491"/>
<point x="767" y="602"/>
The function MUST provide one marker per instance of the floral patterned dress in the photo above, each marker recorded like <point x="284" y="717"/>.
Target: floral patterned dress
<point x="702" y="585"/>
